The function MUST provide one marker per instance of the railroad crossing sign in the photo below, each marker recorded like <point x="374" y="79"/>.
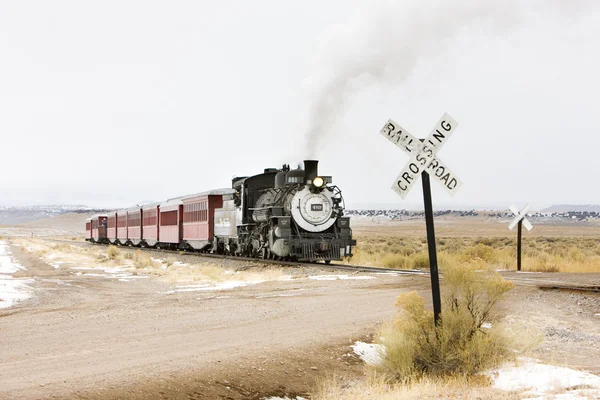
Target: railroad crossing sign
<point x="521" y="216"/>
<point x="423" y="155"/>
<point x="424" y="161"/>
<point x="521" y="221"/>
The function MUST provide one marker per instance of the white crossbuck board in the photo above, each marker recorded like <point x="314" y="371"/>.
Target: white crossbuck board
<point x="423" y="155"/>
<point x="520" y="215"/>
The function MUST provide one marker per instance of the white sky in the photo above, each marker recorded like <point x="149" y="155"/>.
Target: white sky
<point x="110" y="103"/>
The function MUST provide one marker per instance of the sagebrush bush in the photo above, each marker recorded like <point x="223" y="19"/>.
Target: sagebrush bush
<point x="113" y="252"/>
<point x="420" y="261"/>
<point x="143" y="260"/>
<point x="480" y="251"/>
<point x="543" y="263"/>
<point x="396" y="261"/>
<point x="414" y="346"/>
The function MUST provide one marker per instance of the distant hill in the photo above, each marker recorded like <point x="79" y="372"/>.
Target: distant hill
<point x="70" y="223"/>
<point x="20" y="215"/>
<point x="562" y="208"/>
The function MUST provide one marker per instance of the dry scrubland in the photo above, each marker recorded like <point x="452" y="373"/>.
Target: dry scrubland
<point x="420" y="361"/>
<point x="139" y="262"/>
<point x="540" y="254"/>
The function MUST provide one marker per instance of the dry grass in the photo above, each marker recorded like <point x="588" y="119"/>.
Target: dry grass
<point x="143" y="260"/>
<point x="551" y="254"/>
<point x="113" y="252"/>
<point x="376" y="387"/>
<point x="458" y="346"/>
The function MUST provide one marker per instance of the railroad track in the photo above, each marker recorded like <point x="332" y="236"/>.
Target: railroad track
<point x="333" y="266"/>
<point x="542" y="284"/>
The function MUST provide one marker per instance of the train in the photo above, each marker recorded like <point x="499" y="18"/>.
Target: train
<point x="281" y="213"/>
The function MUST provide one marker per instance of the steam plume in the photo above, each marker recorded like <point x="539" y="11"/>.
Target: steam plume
<point x="381" y="44"/>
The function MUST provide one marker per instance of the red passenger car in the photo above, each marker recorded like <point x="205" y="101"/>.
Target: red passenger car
<point x="99" y="228"/>
<point x="150" y="224"/>
<point x="170" y="223"/>
<point x="122" y="227"/>
<point x="88" y="229"/>
<point x="111" y="235"/>
<point x="198" y="217"/>
<point x="134" y="226"/>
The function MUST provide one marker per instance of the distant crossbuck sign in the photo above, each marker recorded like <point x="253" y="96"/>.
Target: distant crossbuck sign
<point x="520" y="215"/>
<point x="423" y="155"/>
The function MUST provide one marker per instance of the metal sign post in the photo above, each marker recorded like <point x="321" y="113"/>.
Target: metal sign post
<point x="424" y="161"/>
<point x="520" y="220"/>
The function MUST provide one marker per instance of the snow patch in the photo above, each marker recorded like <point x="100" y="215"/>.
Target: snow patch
<point x="12" y="290"/>
<point x="226" y="285"/>
<point x="121" y="273"/>
<point x="339" y="277"/>
<point x="546" y="381"/>
<point x="370" y="353"/>
<point x="7" y="264"/>
<point x="284" y="398"/>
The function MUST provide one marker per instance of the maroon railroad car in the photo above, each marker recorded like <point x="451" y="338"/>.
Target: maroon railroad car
<point x="198" y="217"/>
<point x="88" y="229"/>
<point x="99" y="228"/>
<point x="134" y="226"/>
<point x="170" y="218"/>
<point x="122" y="227"/>
<point x="111" y="235"/>
<point x="150" y="214"/>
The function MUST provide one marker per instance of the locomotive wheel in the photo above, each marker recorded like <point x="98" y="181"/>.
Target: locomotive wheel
<point x="327" y="261"/>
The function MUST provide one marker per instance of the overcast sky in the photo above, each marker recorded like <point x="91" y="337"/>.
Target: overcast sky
<point x="114" y="102"/>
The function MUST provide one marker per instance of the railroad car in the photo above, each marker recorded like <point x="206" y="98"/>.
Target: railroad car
<point x="122" y="227"/>
<point x="278" y="214"/>
<point x="170" y="229"/>
<point x="134" y="226"/>
<point x="95" y="229"/>
<point x="111" y="234"/>
<point x="150" y="214"/>
<point x="198" y="217"/>
<point x="88" y="229"/>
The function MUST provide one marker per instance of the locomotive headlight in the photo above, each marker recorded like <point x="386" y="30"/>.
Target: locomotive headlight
<point x="318" y="182"/>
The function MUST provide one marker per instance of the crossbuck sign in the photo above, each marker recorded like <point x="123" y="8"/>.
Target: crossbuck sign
<point x="425" y="162"/>
<point x="520" y="220"/>
<point x="520" y="216"/>
<point x="423" y="155"/>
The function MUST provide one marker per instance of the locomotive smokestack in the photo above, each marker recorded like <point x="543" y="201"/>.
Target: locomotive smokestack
<point x="311" y="170"/>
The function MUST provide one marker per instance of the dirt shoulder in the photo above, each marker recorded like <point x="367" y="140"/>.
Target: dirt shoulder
<point x="87" y="336"/>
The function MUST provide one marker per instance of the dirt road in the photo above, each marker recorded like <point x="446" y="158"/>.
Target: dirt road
<point x="88" y="334"/>
<point x="91" y="337"/>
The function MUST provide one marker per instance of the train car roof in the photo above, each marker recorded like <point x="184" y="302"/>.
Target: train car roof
<point x="171" y="204"/>
<point x="214" y="192"/>
<point x="148" y="206"/>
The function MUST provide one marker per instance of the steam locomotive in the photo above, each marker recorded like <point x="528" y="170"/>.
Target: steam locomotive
<point x="286" y="214"/>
